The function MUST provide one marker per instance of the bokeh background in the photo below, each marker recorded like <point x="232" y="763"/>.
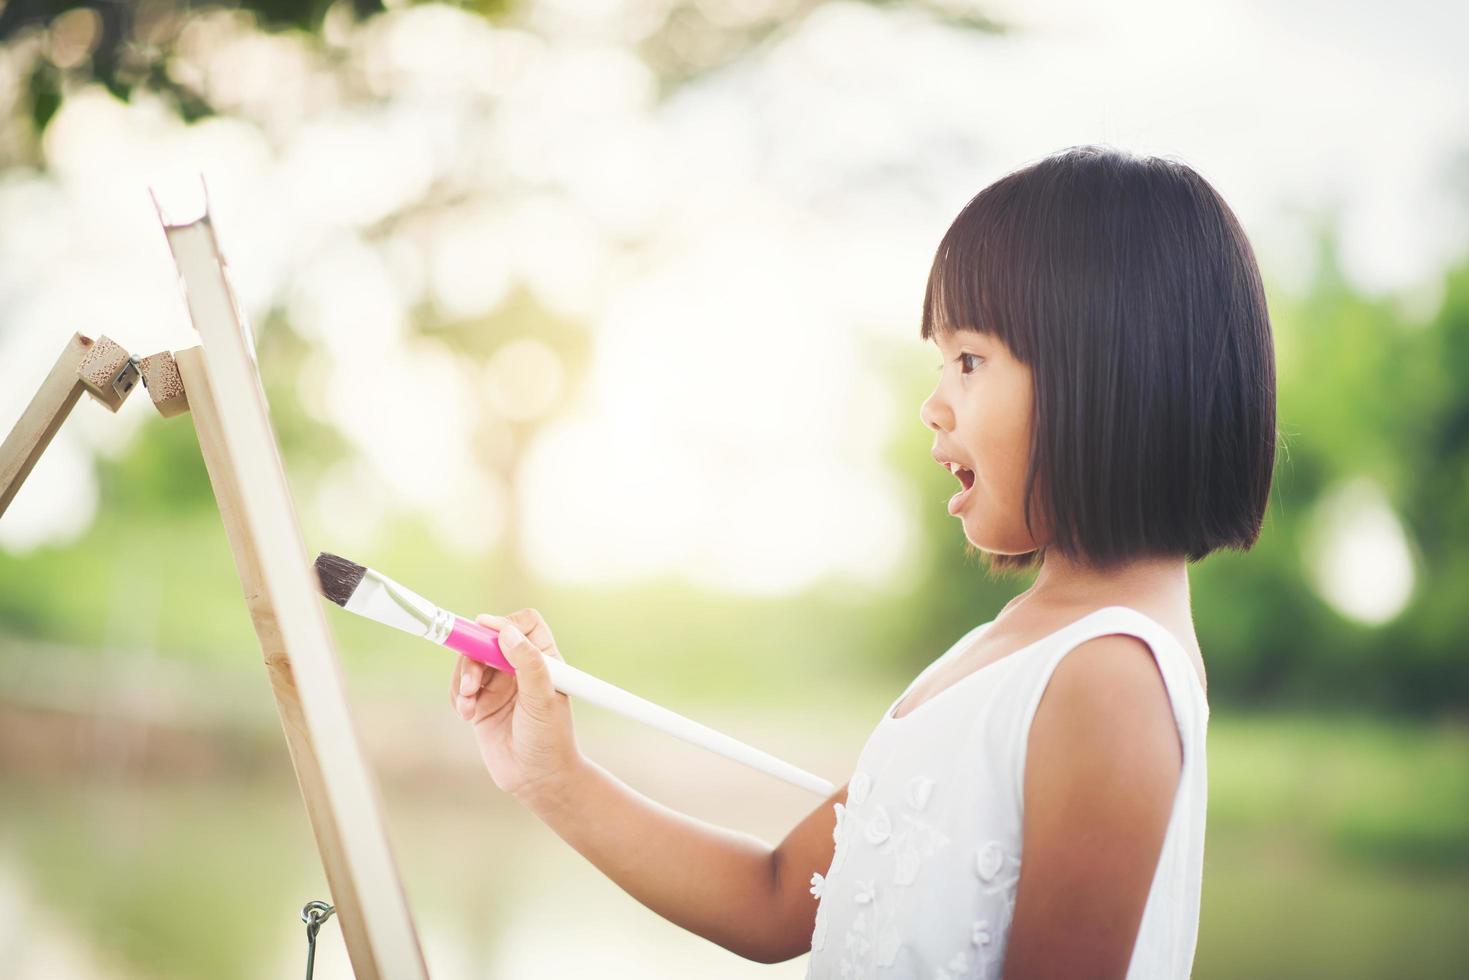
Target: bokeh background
<point x="610" y="308"/>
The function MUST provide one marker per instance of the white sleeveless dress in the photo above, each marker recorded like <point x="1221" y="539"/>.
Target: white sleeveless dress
<point x="928" y="845"/>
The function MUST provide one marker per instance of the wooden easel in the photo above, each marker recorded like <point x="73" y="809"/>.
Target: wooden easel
<point x="99" y="367"/>
<point x="219" y="384"/>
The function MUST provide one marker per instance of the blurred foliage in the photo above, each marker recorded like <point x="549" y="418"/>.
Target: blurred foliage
<point x="127" y="46"/>
<point x="1361" y="392"/>
<point x="695" y="37"/>
<point x="130" y="45"/>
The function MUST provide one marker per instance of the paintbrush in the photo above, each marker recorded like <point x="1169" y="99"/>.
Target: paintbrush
<point x="369" y="593"/>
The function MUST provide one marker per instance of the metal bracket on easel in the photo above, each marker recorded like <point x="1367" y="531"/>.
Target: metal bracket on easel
<point x="314" y="913"/>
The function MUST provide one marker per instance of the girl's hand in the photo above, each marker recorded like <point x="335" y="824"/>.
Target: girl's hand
<point x="522" y="724"/>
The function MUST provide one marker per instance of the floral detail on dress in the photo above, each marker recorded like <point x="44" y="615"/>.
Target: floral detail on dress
<point x="880" y="826"/>
<point x="915" y="841"/>
<point x="858" y="788"/>
<point x="957" y="966"/>
<point x="873" y="936"/>
<point x="989" y="859"/>
<point x="1002" y="928"/>
<point x="989" y="936"/>
<point x="900" y="827"/>
<point x="920" y="788"/>
<point x="908" y="860"/>
<point x="818" y="934"/>
<point x="888" y="942"/>
<point x="840" y="835"/>
<point x="857" y="942"/>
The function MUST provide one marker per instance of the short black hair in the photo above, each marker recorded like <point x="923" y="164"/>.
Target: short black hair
<point x="1127" y="285"/>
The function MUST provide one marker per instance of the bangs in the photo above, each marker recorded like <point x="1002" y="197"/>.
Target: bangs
<point x="972" y="282"/>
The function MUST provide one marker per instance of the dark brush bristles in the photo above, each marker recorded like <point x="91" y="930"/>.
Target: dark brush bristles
<point x="338" y="577"/>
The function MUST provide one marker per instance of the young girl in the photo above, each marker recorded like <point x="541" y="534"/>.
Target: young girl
<point x="1107" y="403"/>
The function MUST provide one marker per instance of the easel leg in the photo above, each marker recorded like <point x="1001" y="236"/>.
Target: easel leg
<point x="43" y="416"/>
<point x="314" y="791"/>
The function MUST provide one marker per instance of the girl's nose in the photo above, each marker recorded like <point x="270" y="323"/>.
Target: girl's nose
<point x="934" y="413"/>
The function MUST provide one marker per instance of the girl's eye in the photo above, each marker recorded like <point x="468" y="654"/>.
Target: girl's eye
<point x="961" y="360"/>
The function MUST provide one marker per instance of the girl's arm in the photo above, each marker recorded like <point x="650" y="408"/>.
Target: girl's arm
<point x="1102" y="768"/>
<point x="729" y="887"/>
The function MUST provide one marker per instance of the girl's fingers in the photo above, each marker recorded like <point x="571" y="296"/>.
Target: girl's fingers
<point x="471" y="676"/>
<point x="529" y="623"/>
<point x="465" y="685"/>
<point x="533" y="625"/>
<point x="455" y="679"/>
<point x="524" y="651"/>
<point x="532" y="678"/>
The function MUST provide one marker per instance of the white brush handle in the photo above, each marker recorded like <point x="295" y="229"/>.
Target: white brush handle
<point x="579" y="684"/>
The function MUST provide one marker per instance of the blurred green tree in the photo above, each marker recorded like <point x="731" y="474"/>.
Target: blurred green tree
<point x="1362" y="392"/>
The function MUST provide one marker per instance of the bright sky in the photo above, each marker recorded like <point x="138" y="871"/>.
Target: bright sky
<point x="733" y="249"/>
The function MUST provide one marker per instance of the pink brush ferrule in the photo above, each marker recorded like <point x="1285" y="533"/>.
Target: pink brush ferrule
<point x="477" y="643"/>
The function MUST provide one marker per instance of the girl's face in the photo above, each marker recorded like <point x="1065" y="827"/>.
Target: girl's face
<point x="980" y="413"/>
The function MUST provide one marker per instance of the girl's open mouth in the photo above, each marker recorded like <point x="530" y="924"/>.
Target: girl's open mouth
<point x="966" y="477"/>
